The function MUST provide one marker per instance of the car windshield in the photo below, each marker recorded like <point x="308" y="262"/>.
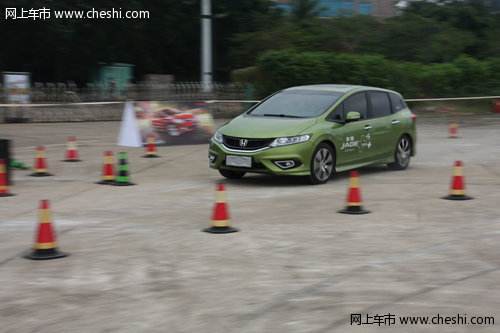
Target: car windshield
<point x="296" y="104"/>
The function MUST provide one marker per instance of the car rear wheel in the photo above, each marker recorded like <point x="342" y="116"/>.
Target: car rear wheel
<point x="232" y="174"/>
<point x="322" y="164"/>
<point x="402" y="154"/>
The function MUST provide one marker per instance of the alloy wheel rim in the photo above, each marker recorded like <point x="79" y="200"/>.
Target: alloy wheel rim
<point x="323" y="164"/>
<point x="404" y="151"/>
<point x="172" y="131"/>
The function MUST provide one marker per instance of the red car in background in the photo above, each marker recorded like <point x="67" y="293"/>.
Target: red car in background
<point x="171" y="122"/>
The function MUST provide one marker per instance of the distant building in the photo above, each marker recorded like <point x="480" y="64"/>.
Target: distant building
<point x="378" y="8"/>
<point x="491" y="5"/>
<point x="337" y="8"/>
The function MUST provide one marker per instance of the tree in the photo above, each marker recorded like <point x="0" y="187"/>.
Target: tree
<point x="304" y="9"/>
<point x="240" y="18"/>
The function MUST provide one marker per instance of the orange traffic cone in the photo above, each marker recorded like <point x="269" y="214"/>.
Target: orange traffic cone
<point x="108" y="172"/>
<point x="220" y="218"/>
<point x="457" y="189"/>
<point x="4" y="181"/>
<point x="71" y="151"/>
<point x="453" y="132"/>
<point x="151" y="147"/>
<point x="354" y="204"/>
<point x="45" y="246"/>
<point x="40" y="163"/>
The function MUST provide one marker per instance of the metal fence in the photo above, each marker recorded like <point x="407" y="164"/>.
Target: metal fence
<point x="69" y="92"/>
<point x="60" y="102"/>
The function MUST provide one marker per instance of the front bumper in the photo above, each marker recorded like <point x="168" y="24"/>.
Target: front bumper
<point x="275" y="160"/>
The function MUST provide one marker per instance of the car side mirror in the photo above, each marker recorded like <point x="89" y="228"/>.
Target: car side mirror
<point x="352" y="116"/>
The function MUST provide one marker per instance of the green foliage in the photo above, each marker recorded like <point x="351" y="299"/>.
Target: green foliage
<point x="357" y="34"/>
<point x="241" y="17"/>
<point x="431" y="50"/>
<point x="283" y="37"/>
<point x="304" y="9"/>
<point x="280" y="69"/>
<point x="473" y="72"/>
<point x="438" y="79"/>
<point x="247" y="74"/>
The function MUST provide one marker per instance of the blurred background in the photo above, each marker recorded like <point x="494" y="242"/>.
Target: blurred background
<point x="419" y="48"/>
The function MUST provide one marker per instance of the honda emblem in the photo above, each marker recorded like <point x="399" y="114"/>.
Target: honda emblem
<point x="243" y="142"/>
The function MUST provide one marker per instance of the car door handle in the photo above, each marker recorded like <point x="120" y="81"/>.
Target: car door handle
<point x="367" y="127"/>
<point x="395" y="122"/>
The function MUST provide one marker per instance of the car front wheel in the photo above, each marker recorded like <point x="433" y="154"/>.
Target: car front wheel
<point x="172" y="130"/>
<point x="402" y="154"/>
<point x="322" y="164"/>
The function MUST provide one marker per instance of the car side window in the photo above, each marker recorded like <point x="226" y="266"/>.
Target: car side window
<point x="336" y="115"/>
<point x="357" y="103"/>
<point x="397" y="102"/>
<point x="380" y="104"/>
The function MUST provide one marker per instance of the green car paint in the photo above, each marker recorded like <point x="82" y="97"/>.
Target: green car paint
<point x="317" y="130"/>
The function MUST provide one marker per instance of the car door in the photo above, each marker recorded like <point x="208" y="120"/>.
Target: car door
<point x="379" y="106"/>
<point x="355" y="147"/>
<point x="398" y="121"/>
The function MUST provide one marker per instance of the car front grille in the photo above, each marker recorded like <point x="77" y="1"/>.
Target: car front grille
<point x="251" y="144"/>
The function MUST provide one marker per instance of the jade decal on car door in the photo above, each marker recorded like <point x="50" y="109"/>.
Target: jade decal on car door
<point x="357" y="144"/>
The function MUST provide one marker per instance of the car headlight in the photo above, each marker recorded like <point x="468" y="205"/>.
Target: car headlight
<point x="290" y="140"/>
<point x="218" y="137"/>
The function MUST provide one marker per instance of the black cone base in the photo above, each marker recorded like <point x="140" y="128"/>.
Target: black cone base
<point x="151" y="156"/>
<point x="106" y="182"/>
<point x="72" y="160"/>
<point x="220" y="230"/>
<point x="122" y="183"/>
<point x="457" y="197"/>
<point x="353" y="210"/>
<point x="45" y="254"/>
<point x="41" y="174"/>
<point x="6" y="194"/>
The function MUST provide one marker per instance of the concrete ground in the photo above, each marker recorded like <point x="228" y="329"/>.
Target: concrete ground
<point x="140" y="263"/>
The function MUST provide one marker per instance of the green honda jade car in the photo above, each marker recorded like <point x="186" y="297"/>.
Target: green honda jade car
<point x="315" y="131"/>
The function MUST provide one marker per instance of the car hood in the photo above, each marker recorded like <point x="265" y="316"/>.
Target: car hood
<point x="266" y="127"/>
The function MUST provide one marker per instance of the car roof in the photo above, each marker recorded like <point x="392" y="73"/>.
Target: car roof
<point x="342" y="88"/>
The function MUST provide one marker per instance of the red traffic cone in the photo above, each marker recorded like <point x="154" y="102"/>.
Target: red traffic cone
<point x="453" y="132"/>
<point x="354" y="204"/>
<point x="108" y="171"/>
<point x="4" y="181"/>
<point x="40" y="163"/>
<point x="45" y="246"/>
<point x="220" y="217"/>
<point x="457" y="188"/>
<point x="71" y="151"/>
<point x="151" y="147"/>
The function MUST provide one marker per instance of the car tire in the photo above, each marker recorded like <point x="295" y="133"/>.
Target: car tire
<point x="402" y="154"/>
<point x="232" y="174"/>
<point x="322" y="164"/>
